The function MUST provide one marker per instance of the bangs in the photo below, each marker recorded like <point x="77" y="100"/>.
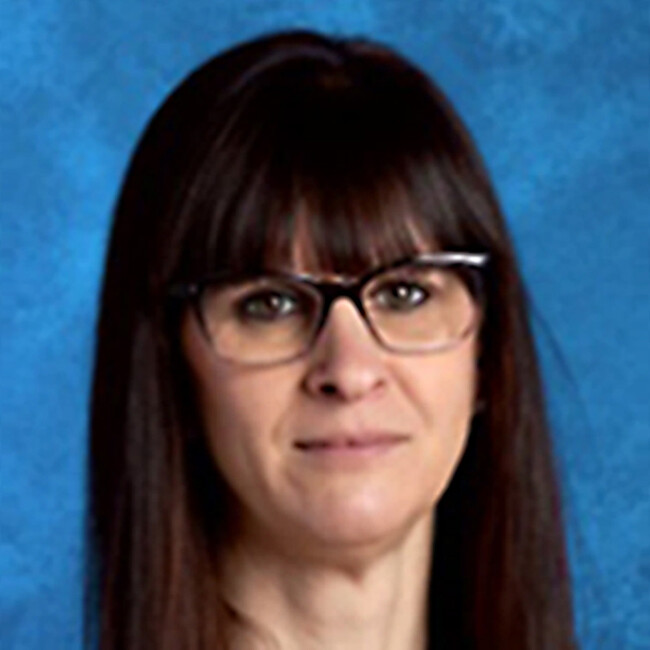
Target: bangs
<point x="362" y="166"/>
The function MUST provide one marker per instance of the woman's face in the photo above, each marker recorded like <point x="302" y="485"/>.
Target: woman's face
<point x="298" y="498"/>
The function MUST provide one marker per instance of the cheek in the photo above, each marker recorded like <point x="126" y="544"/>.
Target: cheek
<point x="446" y="385"/>
<point x="232" y="409"/>
<point x="240" y="419"/>
<point x="240" y="410"/>
<point x="445" y="397"/>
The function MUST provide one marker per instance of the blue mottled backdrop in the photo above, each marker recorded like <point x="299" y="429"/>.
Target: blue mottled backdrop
<point x="556" y="93"/>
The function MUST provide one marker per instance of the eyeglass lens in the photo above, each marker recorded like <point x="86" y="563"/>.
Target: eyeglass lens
<point x="410" y="308"/>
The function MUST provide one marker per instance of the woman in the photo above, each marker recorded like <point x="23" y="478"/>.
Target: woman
<point x="317" y="417"/>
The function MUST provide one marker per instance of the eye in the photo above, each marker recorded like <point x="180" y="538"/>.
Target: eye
<point x="267" y="305"/>
<point x="402" y="295"/>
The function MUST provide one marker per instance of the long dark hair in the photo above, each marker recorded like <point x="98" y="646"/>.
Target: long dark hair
<point x="359" y="142"/>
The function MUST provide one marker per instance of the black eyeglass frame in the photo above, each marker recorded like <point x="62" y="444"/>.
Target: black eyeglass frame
<point x="346" y="287"/>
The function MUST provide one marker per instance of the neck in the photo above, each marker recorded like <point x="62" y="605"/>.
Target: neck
<point x="378" y="602"/>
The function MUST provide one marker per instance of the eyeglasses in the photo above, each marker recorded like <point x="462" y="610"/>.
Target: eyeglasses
<point x="426" y="303"/>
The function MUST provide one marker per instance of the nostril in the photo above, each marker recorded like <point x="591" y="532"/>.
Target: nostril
<point x="328" y="389"/>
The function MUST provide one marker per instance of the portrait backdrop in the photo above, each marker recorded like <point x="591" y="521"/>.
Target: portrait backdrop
<point x="556" y="93"/>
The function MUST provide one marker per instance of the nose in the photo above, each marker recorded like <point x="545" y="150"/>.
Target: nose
<point x="346" y="361"/>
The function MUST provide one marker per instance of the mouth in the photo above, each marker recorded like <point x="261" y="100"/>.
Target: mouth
<point x="354" y="439"/>
<point x="350" y="447"/>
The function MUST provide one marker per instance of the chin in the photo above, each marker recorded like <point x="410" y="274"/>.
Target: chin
<point x="363" y="524"/>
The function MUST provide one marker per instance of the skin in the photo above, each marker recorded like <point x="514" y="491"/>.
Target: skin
<point x="339" y="558"/>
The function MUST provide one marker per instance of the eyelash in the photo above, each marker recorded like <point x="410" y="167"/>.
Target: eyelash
<point x="428" y="291"/>
<point x="243" y="304"/>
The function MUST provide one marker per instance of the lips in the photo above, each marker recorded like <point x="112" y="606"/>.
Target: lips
<point x="364" y="439"/>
